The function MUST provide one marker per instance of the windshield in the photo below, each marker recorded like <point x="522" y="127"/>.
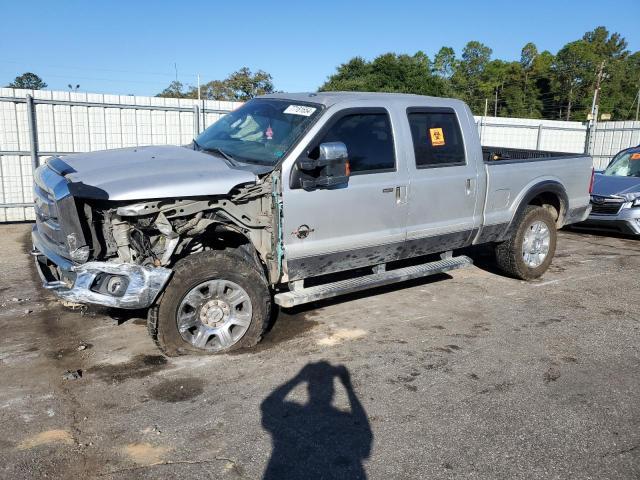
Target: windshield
<point x="261" y="131"/>
<point x="625" y="164"/>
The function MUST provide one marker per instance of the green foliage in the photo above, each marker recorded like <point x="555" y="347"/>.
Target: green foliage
<point x="174" y="90"/>
<point x="28" y="80"/>
<point x="539" y="85"/>
<point x="241" y="85"/>
<point x="388" y="73"/>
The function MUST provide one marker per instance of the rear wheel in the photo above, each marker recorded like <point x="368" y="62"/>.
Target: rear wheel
<point x="529" y="251"/>
<point x="216" y="302"/>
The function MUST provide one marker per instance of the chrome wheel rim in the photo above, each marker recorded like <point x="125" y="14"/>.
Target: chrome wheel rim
<point x="214" y="315"/>
<point x="535" y="246"/>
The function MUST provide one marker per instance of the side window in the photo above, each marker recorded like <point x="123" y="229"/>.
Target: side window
<point x="437" y="140"/>
<point x="368" y="139"/>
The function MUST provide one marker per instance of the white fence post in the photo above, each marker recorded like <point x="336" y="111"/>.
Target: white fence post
<point x="33" y="132"/>
<point x="196" y="120"/>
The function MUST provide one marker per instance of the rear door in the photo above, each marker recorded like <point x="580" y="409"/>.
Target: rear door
<point x="362" y="224"/>
<point x="444" y="182"/>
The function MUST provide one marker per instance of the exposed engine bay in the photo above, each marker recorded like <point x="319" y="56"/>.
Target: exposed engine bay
<point x="158" y="233"/>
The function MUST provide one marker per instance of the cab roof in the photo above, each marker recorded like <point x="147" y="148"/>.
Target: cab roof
<point x="331" y="98"/>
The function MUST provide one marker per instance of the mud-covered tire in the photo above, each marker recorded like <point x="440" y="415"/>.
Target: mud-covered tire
<point x="509" y="254"/>
<point x="193" y="270"/>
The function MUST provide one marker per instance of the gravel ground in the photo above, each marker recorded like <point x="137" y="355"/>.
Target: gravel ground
<point x="468" y="375"/>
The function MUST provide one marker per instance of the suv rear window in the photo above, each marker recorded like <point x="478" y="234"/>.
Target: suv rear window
<point x="437" y="140"/>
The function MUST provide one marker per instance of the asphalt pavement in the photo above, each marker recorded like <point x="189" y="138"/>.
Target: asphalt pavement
<point x="467" y="375"/>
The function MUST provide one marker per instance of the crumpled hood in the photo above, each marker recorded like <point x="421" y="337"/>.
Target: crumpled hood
<point x="611" y="185"/>
<point x="148" y="172"/>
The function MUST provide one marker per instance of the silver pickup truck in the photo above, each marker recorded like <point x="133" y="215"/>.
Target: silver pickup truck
<point x="290" y="199"/>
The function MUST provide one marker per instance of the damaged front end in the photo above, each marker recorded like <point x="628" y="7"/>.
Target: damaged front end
<point x="120" y="254"/>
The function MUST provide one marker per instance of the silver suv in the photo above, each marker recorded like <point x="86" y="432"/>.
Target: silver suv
<point x="615" y="199"/>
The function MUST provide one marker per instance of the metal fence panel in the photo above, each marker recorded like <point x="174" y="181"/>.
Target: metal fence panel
<point x="608" y="138"/>
<point x="532" y="134"/>
<point x="74" y="122"/>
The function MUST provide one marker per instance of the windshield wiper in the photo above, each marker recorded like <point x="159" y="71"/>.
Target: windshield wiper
<point x="219" y="151"/>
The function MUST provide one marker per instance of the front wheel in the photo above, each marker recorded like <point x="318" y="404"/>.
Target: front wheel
<point x="216" y="302"/>
<point x="529" y="251"/>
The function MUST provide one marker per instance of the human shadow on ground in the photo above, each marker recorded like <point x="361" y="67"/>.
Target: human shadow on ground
<point x="316" y="440"/>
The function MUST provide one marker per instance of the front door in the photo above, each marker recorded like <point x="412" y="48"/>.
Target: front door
<point x="362" y="224"/>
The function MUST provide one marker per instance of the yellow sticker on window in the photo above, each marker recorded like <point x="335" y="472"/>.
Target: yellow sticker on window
<point x="635" y="156"/>
<point x="437" y="137"/>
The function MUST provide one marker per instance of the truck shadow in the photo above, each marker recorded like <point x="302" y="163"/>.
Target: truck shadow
<point x="316" y="439"/>
<point x="289" y="323"/>
<point x="483" y="257"/>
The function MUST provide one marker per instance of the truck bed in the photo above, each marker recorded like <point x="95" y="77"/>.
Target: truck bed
<point x="502" y="154"/>
<point x="514" y="173"/>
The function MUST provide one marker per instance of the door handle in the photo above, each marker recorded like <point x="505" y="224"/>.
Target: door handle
<point x="387" y="190"/>
<point x="401" y="194"/>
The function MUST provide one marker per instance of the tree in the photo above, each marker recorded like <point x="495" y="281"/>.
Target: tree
<point x="606" y="46"/>
<point x="174" y="90"/>
<point x="29" y="81"/>
<point x="213" y="90"/>
<point x="528" y="56"/>
<point x="574" y="70"/>
<point x="244" y="85"/>
<point x="241" y="85"/>
<point x="444" y="63"/>
<point x="389" y="72"/>
<point x="467" y="79"/>
<point x="350" y="76"/>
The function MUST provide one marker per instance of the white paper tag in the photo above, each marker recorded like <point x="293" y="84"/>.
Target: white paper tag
<point x="299" y="110"/>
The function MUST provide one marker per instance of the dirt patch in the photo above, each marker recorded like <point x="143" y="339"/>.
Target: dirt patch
<point x="145" y="453"/>
<point x="285" y="326"/>
<point x="139" y="367"/>
<point x="177" y="390"/>
<point x="47" y="437"/>
<point x="66" y="352"/>
<point x="341" y="336"/>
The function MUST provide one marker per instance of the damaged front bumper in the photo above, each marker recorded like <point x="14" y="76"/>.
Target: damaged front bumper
<point x="83" y="283"/>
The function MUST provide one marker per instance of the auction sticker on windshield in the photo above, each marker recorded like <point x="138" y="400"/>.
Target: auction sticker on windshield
<point x="300" y="110"/>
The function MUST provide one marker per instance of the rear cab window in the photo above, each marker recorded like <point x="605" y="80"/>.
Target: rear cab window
<point x="437" y="138"/>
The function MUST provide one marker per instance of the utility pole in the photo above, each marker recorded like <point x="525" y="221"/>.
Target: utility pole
<point x="486" y="106"/>
<point x="638" y="105"/>
<point x="596" y="94"/>
<point x="198" y="87"/>
<point x="595" y="107"/>
<point x="495" y="108"/>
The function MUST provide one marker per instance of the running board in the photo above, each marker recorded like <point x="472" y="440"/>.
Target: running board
<point x="342" y="287"/>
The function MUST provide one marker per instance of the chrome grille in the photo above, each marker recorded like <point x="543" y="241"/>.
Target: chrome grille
<point x="47" y="189"/>
<point x="606" y="205"/>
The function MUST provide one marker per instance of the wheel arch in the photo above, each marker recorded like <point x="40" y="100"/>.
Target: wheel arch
<point x="549" y="194"/>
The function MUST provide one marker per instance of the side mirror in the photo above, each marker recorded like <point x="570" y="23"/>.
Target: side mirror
<point x="330" y="170"/>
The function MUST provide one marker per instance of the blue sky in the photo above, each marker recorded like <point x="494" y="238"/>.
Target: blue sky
<point x="130" y="47"/>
